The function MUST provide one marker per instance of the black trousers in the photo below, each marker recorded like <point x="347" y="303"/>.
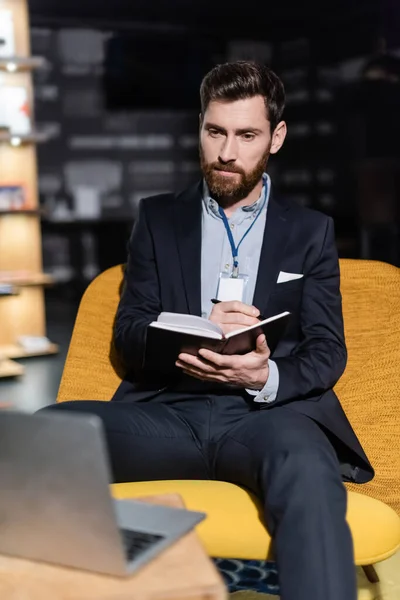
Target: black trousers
<point x="278" y="454"/>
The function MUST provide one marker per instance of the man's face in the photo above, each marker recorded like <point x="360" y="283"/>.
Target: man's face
<point x="235" y="144"/>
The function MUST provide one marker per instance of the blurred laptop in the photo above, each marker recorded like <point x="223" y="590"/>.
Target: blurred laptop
<point x="55" y="501"/>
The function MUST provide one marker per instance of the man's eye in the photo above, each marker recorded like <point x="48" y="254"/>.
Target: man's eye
<point x="214" y="132"/>
<point x="248" y="136"/>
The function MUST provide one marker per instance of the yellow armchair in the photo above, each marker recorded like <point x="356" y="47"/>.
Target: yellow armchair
<point x="369" y="391"/>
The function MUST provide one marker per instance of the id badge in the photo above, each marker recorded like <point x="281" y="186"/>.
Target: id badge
<point x="232" y="288"/>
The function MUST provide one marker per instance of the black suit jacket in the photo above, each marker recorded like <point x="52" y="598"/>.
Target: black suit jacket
<point x="163" y="274"/>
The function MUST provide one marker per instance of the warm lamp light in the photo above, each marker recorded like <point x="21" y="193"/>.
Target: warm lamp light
<point x="11" y="67"/>
<point x="15" y="141"/>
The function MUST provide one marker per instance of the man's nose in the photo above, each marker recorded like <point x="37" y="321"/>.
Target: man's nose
<point x="228" y="152"/>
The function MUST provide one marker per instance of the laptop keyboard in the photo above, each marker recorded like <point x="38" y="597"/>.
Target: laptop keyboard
<point x="137" y="542"/>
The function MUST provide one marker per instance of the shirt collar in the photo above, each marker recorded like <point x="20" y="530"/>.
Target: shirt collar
<point x="211" y="205"/>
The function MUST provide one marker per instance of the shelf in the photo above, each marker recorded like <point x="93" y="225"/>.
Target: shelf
<point x="77" y="222"/>
<point x="12" y="292"/>
<point x="22" y="318"/>
<point x="22" y="211"/>
<point x="16" y="351"/>
<point x="9" y="368"/>
<point x="27" y="279"/>
<point x="17" y="139"/>
<point x="16" y="64"/>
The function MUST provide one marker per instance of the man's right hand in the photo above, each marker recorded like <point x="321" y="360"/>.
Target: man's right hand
<point x="234" y="315"/>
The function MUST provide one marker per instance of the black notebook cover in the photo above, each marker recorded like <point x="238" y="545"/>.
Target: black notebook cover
<point x="164" y="346"/>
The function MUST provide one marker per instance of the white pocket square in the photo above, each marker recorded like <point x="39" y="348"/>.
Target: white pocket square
<point x="284" y="277"/>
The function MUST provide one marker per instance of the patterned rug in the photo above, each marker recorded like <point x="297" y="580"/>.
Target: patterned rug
<point x="243" y="575"/>
<point x="256" y="580"/>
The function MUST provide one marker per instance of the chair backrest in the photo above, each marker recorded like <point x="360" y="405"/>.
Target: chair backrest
<point x="369" y="389"/>
<point x="92" y="370"/>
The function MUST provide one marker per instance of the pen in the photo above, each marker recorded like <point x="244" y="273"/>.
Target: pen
<point x="215" y="301"/>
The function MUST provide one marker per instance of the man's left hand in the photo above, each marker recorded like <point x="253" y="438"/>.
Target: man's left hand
<point x="249" y="371"/>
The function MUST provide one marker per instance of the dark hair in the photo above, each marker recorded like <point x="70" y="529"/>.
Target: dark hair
<point x="244" y="79"/>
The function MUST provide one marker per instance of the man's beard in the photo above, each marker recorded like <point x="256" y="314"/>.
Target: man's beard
<point x="229" y="189"/>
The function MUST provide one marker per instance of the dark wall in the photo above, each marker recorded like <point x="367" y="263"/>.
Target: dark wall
<point x="104" y="155"/>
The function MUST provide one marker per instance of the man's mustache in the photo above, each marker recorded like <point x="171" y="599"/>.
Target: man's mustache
<point x="227" y="168"/>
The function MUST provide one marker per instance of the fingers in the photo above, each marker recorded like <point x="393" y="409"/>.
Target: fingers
<point x="234" y="315"/>
<point x="188" y="360"/>
<point x="261" y="341"/>
<point x="238" y="319"/>
<point x="224" y="361"/>
<point x="200" y="369"/>
<point x="235" y="306"/>
<point x="197" y="374"/>
<point x="261" y="345"/>
<point x="209" y="366"/>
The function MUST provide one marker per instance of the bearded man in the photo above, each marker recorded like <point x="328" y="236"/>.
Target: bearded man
<point x="271" y="424"/>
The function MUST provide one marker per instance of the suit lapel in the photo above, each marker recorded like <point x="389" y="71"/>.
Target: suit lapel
<point x="276" y="234"/>
<point x="188" y="234"/>
<point x="188" y="210"/>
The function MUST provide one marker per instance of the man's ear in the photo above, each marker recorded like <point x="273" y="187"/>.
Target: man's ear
<point x="278" y="137"/>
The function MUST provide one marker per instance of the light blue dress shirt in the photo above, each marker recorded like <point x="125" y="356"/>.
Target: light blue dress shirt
<point x="216" y="258"/>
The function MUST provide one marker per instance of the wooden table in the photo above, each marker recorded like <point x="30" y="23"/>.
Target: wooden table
<point x="182" y="572"/>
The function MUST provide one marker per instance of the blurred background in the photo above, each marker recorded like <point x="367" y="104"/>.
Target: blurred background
<point x="117" y="97"/>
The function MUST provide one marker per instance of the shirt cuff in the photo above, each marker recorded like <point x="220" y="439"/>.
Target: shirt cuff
<point x="270" y="389"/>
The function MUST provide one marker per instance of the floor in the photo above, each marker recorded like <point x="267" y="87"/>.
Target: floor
<point x="39" y="385"/>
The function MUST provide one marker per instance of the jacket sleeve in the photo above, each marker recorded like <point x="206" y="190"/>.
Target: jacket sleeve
<point x="320" y="358"/>
<point x="140" y="302"/>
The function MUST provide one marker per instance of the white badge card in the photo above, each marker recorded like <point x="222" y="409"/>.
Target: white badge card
<point x="231" y="288"/>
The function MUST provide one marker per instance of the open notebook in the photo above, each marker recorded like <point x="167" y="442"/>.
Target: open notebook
<point x="174" y="333"/>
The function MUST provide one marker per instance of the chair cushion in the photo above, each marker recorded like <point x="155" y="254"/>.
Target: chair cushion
<point x="233" y="528"/>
